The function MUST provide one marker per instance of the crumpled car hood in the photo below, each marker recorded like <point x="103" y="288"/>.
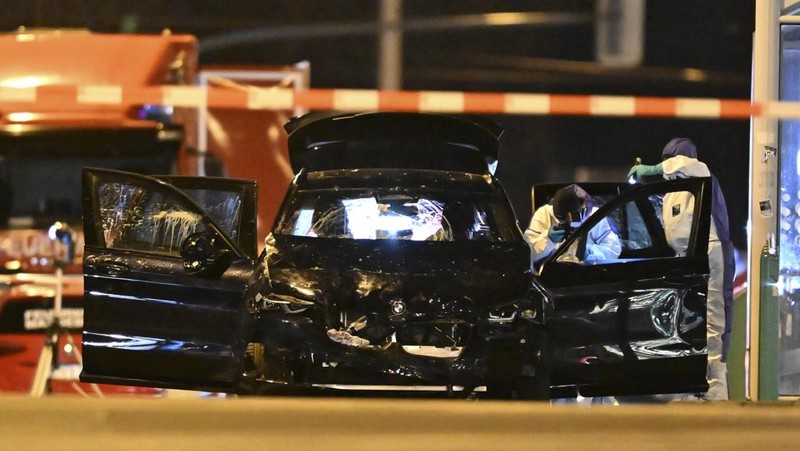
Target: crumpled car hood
<point x="333" y="271"/>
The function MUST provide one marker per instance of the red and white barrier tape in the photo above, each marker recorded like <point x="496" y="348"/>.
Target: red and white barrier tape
<point x="253" y="98"/>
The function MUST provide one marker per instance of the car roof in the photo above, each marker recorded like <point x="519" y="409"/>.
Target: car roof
<point x="336" y="140"/>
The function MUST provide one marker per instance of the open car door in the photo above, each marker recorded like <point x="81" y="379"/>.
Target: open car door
<point x="165" y="272"/>
<point x="633" y="324"/>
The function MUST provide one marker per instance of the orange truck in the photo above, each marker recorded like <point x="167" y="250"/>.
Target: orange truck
<point x="45" y="144"/>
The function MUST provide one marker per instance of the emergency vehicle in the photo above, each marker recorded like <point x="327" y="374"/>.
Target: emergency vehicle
<point x="47" y="137"/>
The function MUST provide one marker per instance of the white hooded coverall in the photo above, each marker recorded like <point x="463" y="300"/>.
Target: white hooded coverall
<point x="678" y="211"/>
<point x="603" y="242"/>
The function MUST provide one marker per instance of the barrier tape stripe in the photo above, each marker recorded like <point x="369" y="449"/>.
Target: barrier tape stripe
<point x="109" y="95"/>
<point x="25" y="95"/>
<point x="254" y="98"/>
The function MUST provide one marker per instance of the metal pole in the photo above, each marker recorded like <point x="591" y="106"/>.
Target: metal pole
<point x="763" y="174"/>
<point x="390" y="50"/>
<point x="619" y="32"/>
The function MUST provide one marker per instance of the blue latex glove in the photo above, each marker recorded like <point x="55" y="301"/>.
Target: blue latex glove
<point x="643" y="170"/>
<point x="593" y="256"/>
<point x="556" y="234"/>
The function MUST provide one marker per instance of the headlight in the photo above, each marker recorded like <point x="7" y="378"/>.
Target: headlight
<point x="525" y="310"/>
<point x="504" y="314"/>
<point x="528" y="314"/>
<point x="287" y="299"/>
<point x="288" y="303"/>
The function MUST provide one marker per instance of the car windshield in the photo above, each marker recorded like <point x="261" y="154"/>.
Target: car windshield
<point x="391" y="215"/>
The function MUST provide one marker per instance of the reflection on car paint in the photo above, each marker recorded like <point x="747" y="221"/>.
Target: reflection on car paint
<point x="649" y="325"/>
<point x="146" y="344"/>
<point x="131" y="298"/>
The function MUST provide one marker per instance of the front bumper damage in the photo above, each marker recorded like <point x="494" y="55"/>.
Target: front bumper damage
<point x="295" y="350"/>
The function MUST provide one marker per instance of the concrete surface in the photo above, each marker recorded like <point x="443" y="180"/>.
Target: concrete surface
<point x="73" y="423"/>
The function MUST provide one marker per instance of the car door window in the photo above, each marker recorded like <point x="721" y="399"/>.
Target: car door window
<point x="640" y="226"/>
<point x="224" y="208"/>
<point x="645" y="230"/>
<point x="230" y="204"/>
<point x="135" y="218"/>
<point x="638" y="235"/>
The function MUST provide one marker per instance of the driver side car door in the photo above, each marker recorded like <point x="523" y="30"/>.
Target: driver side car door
<point x="150" y="319"/>
<point x="634" y="324"/>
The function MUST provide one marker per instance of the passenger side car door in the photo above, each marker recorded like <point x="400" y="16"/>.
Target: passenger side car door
<point x="633" y="324"/>
<point x="164" y="279"/>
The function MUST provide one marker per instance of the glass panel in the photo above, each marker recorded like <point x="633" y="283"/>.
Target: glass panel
<point x="636" y="230"/>
<point x="134" y="218"/>
<point x="224" y="208"/>
<point x="789" y="222"/>
<point x="415" y="216"/>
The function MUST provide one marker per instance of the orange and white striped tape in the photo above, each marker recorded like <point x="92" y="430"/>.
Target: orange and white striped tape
<point x="373" y="100"/>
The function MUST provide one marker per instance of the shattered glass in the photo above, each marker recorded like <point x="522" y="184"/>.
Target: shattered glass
<point x="364" y="214"/>
<point x="638" y="238"/>
<point x="224" y="208"/>
<point x="134" y="218"/>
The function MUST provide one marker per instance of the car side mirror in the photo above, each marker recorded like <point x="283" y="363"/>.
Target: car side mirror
<point x="204" y="253"/>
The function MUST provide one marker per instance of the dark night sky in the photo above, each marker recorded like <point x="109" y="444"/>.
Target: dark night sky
<point x="712" y="35"/>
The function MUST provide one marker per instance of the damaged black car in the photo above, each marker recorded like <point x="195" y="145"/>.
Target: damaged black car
<point x="395" y="263"/>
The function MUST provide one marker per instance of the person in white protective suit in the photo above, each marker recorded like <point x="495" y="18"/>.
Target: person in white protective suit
<point x="550" y="224"/>
<point x="679" y="160"/>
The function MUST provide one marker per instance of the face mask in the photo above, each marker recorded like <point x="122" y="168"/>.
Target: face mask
<point x="579" y="216"/>
<point x="584" y="213"/>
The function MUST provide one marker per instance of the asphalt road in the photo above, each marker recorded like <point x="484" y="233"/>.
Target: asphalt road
<point x="72" y="423"/>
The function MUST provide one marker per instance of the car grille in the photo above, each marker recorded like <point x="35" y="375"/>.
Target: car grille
<point x="419" y="321"/>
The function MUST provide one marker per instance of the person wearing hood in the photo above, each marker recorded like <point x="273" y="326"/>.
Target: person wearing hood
<point x="679" y="160"/>
<point x="551" y="223"/>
